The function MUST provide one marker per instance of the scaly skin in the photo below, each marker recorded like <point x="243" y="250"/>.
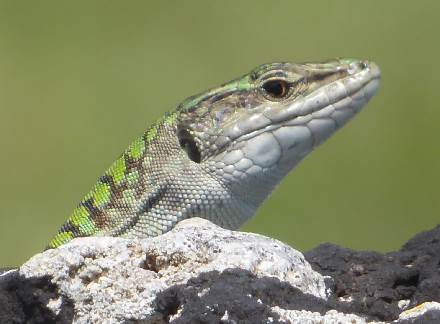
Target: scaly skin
<point x="221" y="153"/>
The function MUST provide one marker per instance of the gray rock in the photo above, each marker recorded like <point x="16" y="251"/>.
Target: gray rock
<point x="197" y="272"/>
<point x="428" y="312"/>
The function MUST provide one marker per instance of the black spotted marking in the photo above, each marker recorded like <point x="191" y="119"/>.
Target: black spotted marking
<point x="69" y="227"/>
<point x="219" y="96"/>
<point x="152" y="200"/>
<point x="88" y="204"/>
<point x="96" y="214"/>
<point x="275" y="75"/>
<point x="131" y="163"/>
<point x="117" y="189"/>
<point x="107" y="179"/>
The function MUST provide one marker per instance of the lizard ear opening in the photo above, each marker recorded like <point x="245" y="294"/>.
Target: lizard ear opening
<point x="188" y="144"/>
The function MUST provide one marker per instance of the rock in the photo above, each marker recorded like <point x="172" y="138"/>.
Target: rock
<point x="196" y="273"/>
<point x="382" y="285"/>
<point x="425" y="312"/>
<point x="195" y="270"/>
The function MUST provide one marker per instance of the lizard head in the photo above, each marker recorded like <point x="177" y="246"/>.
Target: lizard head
<point x="223" y="151"/>
<point x="258" y="127"/>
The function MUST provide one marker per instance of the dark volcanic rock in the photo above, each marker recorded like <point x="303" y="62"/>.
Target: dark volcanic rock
<point x="24" y="300"/>
<point x="376" y="282"/>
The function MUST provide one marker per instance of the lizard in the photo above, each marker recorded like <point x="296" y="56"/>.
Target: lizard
<point x="220" y="153"/>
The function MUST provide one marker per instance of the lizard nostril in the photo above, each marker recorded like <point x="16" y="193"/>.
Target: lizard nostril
<point x="355" y="66"/>
<point x="363" y="65"/>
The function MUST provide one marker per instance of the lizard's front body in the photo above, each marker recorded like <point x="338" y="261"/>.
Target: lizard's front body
<point x="221" y="153"/>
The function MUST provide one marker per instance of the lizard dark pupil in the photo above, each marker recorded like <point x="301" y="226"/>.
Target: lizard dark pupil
<point x="187" y="143"/>
<point x="276" y="88"/>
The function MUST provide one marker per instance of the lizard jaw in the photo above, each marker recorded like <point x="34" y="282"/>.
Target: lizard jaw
<point x="270" y="143"/>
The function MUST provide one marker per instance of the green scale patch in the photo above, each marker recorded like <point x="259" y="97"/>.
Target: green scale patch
<point x="100" y="194"/>
<point x="151" y="134"/>
<point x="60" y="239"/>
<point x="136" y="149"/>
<point x="117" y="170"/>
<point x="168" y="119"/>
<point x="82" y="221"/>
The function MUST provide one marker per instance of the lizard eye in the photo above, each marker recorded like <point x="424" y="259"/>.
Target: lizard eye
<point x="276" y="89"/>
<point x="188" y="144"/>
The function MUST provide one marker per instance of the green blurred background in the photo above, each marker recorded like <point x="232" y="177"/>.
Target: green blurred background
<point x="79" y="80"/>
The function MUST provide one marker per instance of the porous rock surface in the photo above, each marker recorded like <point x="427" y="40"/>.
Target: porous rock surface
<point x="382" y="285"/>
<point x="199" y="273"/>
